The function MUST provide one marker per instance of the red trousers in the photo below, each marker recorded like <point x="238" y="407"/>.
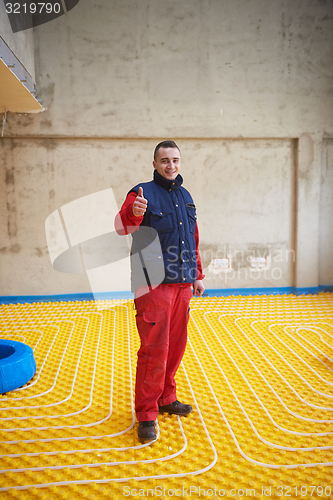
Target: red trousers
<point x="161" y="318"/>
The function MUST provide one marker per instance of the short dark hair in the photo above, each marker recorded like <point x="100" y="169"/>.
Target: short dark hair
<point x="165" y="144"/>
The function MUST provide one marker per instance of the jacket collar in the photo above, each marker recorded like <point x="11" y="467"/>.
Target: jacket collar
<point x="166" y="183"/>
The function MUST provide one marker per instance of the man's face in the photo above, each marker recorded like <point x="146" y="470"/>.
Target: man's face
<point x="167" y="162"/>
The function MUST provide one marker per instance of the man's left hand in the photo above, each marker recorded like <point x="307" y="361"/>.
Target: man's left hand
<point x="198" y="288"/>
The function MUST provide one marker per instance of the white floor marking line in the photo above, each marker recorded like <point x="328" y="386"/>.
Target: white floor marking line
<point x="41" y="369"/>
<point x="301" y="359"/>
<point x="73" y="384"/>
<point x="294" y="370"/>
<point x="290" y="466"/>
<point x="162" y="476"/>
<point x="80" y="438"/>
<point x="49" y="390"/>
<point x="285" y="360"/>
<point x="289" y="385"/>
<point x="134" y="462"/>
<point x="40" y="338"/>
<point x="39" y="373"/>
<point x="23" y="338"/>
<point x="82" y="410"/>
<point x="12" y="335"/>
<point x="125" y="479"/>
<point x="260" y="402"/>
<point x="124" y="462"/>
<point x="267" y="383"/>
<point x="308" y="341"/>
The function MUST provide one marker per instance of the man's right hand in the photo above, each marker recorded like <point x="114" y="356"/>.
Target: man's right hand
<point x="140" y="204"/>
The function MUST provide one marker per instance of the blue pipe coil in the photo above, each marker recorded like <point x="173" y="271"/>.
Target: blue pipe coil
<point x="17" y="365"/>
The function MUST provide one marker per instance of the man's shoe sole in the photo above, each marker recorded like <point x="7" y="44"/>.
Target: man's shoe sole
<point x="171" y="412"/>
<point x="147" y="440"/>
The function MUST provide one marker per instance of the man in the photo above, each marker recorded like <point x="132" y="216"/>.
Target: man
<point x="163" y="310"/>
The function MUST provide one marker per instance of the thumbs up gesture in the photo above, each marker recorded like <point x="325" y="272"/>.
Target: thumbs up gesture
<point x="140" y="204"/>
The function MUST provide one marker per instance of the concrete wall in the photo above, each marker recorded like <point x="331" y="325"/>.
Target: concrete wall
<point x="245" y="88"/>
<point x="326" y="214"/>
<point x="243" y="191"/>
<point x="21" y="43"/>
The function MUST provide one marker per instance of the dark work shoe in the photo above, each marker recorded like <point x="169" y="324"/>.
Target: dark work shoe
<point x="176" y="408"/>
<point x="146" y="430"/>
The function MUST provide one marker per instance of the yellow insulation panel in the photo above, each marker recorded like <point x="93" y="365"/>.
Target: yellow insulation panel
<point x="258" y="371"/>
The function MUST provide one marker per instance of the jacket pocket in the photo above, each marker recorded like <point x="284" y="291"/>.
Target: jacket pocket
<point x="192" y="216"/>
<point x="161" y="221"/>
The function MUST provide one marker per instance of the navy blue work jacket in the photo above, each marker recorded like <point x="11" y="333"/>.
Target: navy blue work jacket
<point x="172" y="213"/>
